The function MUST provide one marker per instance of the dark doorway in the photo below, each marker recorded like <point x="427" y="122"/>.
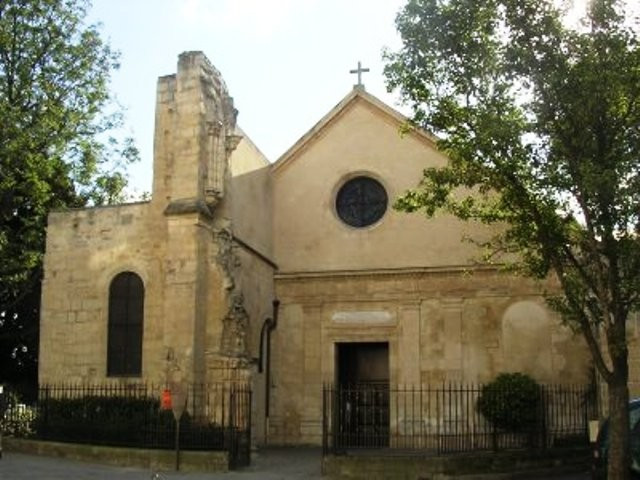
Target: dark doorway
<point x="362" y="394"/>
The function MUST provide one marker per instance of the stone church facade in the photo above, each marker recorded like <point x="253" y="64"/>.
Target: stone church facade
<point x="177" y="289"/>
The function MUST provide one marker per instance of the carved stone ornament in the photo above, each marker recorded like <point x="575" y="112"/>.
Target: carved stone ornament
<point x="235" y="326"/>
<point x="226" y="258"/>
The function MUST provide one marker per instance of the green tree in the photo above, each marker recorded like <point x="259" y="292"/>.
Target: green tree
<point x="55" y="150"/>
<point x="540" y="122"/>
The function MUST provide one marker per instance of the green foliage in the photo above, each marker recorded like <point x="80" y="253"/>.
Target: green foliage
<point x="16" y="418"/>
<point x="104" y="418"/>
<point x="18" y="421"/>
<point x="540" y="124"/>
<point x="56" y="150"/>
<point x="121" y="420"/>
<point x="511" y="402"/>
<point x="100" y="410"/>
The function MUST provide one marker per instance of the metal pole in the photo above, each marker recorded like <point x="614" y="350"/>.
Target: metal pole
<point x="177" y="444"/>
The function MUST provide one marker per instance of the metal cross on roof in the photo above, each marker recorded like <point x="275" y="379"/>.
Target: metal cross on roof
<point x="359" y="71"/>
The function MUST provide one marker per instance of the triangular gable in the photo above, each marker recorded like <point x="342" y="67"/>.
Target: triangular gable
<point x="336" y="112"/>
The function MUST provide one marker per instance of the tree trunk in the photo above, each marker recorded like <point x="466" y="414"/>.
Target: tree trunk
<point x="619" y="453"/>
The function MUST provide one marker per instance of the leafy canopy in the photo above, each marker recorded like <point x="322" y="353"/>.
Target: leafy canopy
<point x="541" y="126"/>
<point x="55" y="147"/>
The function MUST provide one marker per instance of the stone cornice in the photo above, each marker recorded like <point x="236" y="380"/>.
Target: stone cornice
<point x="188" y="205"/>
<point x="389" y="272"/>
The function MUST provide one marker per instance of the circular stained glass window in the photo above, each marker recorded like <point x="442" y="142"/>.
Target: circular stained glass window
<point x="361" y="202"/>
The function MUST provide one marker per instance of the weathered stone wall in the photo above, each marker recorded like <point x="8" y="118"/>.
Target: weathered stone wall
<point x="85" y="250"/>
<point x="205" y="293"/>
<point x="360" y="140"/>
<point x="404" y="280"/>
<point x="503" y="464"/>
<point x="251" y="196"/>
<point x="194" y="133"/>
<point x="440" y="326"/>
<point x="148" y="459"/>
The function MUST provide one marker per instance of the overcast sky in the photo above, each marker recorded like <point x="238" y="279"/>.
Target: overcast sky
<point x="285" y="62"/>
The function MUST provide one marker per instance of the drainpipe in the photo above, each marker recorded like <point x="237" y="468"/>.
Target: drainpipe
<point x="268" y="326"/>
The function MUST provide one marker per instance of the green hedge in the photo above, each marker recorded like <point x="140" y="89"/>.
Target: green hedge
<point x="511" y="402"/>
<point x="121" y="421"/>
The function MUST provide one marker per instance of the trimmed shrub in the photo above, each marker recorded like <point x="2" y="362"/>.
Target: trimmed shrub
<point x="121" y="421"/>
<point x="511" y="402"/>
<point x="100" y="420"/>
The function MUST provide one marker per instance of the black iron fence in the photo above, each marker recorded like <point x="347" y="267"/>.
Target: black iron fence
<point x="446" y="419"/>
<point x="215" y="417"/>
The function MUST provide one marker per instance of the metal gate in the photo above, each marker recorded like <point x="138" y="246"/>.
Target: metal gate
<point x="239" y="429"/>
<point x="362" y="416"/>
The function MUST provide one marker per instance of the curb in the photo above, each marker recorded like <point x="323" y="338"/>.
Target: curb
<point x="546" y="473"/>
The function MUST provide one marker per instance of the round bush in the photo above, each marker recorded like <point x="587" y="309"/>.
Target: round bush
<point x="511" y="402"/>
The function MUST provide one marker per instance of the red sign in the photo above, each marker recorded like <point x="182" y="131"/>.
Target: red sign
<point x="165" y="400"/>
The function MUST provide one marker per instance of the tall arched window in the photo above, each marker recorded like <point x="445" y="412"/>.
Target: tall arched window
<point x="126" y="312"/>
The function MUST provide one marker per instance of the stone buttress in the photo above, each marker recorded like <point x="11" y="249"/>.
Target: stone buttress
<point x="205" y="322"/>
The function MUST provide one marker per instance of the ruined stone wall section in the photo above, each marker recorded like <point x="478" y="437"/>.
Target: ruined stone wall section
<point x="164" y="156"/>
<point x="194" y="135"/>
<point x="181" y="244"/>
<point x="244" y="253"/>
<point x="85" y="250"/>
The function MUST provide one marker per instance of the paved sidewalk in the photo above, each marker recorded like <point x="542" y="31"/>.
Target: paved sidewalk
<point x="271" y="464"/>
